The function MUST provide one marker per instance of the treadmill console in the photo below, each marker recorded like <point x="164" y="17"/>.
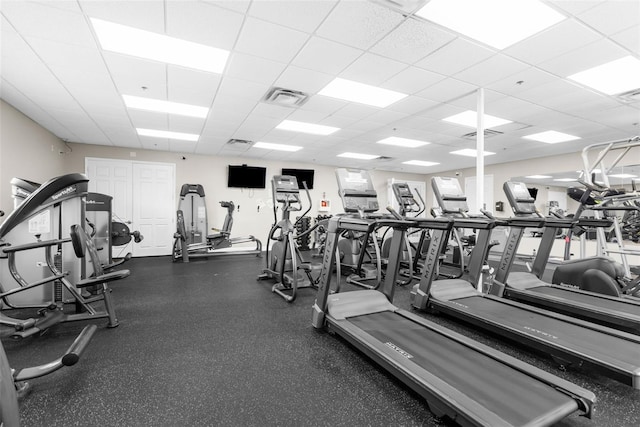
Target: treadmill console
<point x="449" y="195"/>
<point x="356" y="191"/>
<point x="519" y="198"/>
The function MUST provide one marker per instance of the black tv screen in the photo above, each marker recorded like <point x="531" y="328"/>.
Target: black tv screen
<point x="305" y="175"/>
<point x="243" y="176"/>
<point x="533" y="192"/>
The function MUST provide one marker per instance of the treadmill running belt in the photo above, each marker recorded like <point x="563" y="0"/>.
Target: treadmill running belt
<point x="626" y="354"/>
<point x="619" y="307"/>
<point x="517" y="397"/>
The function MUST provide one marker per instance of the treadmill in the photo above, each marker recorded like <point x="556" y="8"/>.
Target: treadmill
<point x="568" y="340"/>
<point x="613" y="311"/>
<point x="437" y="363"/>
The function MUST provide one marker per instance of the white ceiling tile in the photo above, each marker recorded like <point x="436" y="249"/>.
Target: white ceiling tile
<point x="412" y="80"/>
<point x="233" y="88"/>
<point x="236" y="5"/>
<point x="543" y="92"/>
<point x="612" y="16"/>
<point x="372" y="69"/>
<point x="254" y="69"/>
<point x="563" y="37"/>
<point x="522" y="81"/>
<point x="149" y="143"/>
<point x="412" y="40"/>
<point x="69" y="6"/>
<point x="132" y="74"/>
<point x="463" y="52"/>
<point x="629" y="38"/>
<point x="303" y="80"/>
<point x="412" y="105"/>
<point x="276" y="112"/>
<point x="447" y="90"/>
<point x="326" y="56"/>
<point x="597" y="53"/>
<point x="145" y="15"/>
<point x="323" y="104"/>
<point x="490" y="70"/>
<point x="191" y="86"/>
<point x="357" y="111"/>
<point x="306" y="116"/>
<point x="266" y="40"/>
<point x="358" y="23"/>
<point x="149" y="120"/>
<point x="519" y="110"/>
<point x="185" y="124"/>
<point x="182" y="146"/>
<point x="300" y="15"/>
<point x="203" y="23"/>
<point x="42" y="21"/>
<point x="384" y="117"/>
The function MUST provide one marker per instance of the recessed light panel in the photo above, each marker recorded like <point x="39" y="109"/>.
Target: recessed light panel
<point x="622" y="175"/>
<point x="613" y="77"/>
<point x="306" y="127"/>
<point x="278" y="147"/>
<point x="470" y="152"/>
<point x="159" y="106"/>
<point x="551" y="137"/>
<point x="538" y="176"/>
<point x="420" y="163"/>
<point x="565" y="179"/>
<point x="359" y="156"/>
<point x="469" y="118"/>
<point x="498" y="23"/>
<point x="349" y="90"/>
<point x="402" y="142"/>
<point x="158" y="47"/>
<point x="167" y="134"/>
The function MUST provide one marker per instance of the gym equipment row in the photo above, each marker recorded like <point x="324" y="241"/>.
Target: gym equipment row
<point x="191" y="239"/>
<point x="439" y="364"/>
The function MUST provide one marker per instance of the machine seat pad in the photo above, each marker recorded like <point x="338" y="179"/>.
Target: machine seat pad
<point x="357" y="303"/>
<point x="107" y="277"/>
<point x="572" y="272"/>
<point x="600" y="282"/>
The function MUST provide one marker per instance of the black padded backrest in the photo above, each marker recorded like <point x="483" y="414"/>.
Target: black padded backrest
<point x="449" y="195"/>
<point x="519" y="198"/>
<point x="77" y="241"/>
<point x="83" y="244"/>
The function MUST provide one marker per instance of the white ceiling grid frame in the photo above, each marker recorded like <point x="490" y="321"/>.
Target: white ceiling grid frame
<point x="612" y="16"/>
<point x="303" y="16"/>
<point x="372" y="69"/>
<point x="410" y="81"/>
<point x="266" y="40"/>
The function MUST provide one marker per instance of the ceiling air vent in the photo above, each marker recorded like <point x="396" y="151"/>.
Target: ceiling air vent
<point x="488" y="133"/>
<point x="285" y="97"/>
<point x="630" y="96"/>
<point x="240" y="142"/>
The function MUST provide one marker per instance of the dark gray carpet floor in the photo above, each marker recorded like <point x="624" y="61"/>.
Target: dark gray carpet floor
<point x="205" y="344"/>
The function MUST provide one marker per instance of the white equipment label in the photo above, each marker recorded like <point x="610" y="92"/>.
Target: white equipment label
<point x="41" y="223"/>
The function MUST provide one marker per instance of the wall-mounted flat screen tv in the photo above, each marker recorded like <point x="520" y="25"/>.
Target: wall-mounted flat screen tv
<point x="243" y="176"/>
<point x="305" y="175"/>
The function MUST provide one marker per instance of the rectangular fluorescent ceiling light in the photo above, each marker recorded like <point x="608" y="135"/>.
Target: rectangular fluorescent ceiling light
<point x="358" y="156"/>
<point x="306" y="127"/>
<point x="419" y="163"/>
<point x="622" y="175"/>
<point x="402" y="142"/>
<point x="158" y="47"/>
<point x="538" y="176"/>
<point x="278" y="147"/>
<point x="469" y="118"/>
<point x="148" y="104"/>
<point x="613" y="77"/>
<point x="551" y="137"/>
<point x="167" y="134"/>
<point x="349" y="90"/>
<point x="470" y="152"/>
<point x="565" y="179"/>
<point x="498" y="23"/>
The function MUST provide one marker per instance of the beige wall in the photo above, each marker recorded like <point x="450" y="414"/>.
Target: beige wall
<point x="26" y="151"/>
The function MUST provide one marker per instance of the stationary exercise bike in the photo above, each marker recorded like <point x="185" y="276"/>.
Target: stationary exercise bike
<point x="191" y="239"/>
<point x="285" y="264"/>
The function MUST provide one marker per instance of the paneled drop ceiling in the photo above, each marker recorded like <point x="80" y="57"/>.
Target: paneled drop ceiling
<point x="55" y="71"/>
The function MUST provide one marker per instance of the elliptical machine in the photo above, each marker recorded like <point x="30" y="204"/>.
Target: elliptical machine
<point x="285" y="264"/>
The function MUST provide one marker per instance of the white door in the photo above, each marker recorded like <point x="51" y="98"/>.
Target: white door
<point x="143" y="198"/>
<point x="154" y="207"/>
<point x="113" y="177"/>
